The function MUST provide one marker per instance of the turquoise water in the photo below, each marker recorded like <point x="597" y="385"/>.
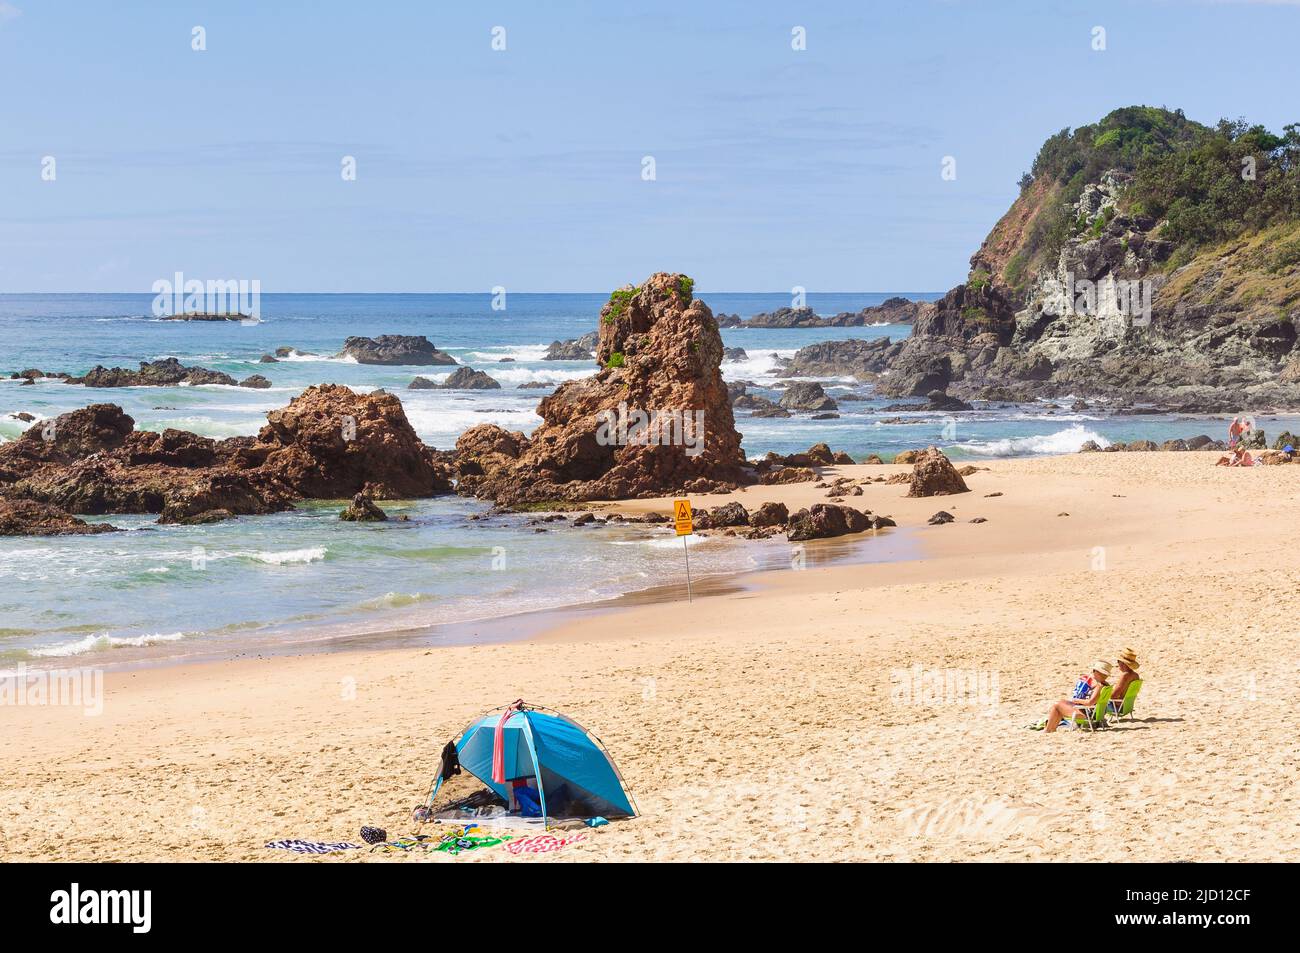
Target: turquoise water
<point x="259" y="583"/>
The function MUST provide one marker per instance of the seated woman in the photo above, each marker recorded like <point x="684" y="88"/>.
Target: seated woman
<point x="1084" y="695"/>
<point x="1128" y="674"/>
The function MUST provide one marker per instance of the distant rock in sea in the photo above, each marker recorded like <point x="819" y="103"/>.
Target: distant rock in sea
<point x="395" y="350"/>
<point x="463" y="378"/>
<point x="577" y="349"/>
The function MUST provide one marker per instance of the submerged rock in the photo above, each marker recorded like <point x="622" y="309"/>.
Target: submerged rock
<point x="362" y="509"/>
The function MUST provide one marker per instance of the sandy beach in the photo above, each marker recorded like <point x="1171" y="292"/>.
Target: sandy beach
<point x="854" y="712"/>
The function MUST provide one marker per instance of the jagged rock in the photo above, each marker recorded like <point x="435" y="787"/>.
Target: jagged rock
<point x="327" y="443"/>
<point x="161" y="373"/>
<point x="30" y="518"/>
<point x="769" y="514"/>
<point x="938" y="519"/>
<point x="1143" y="446"/>
<point x="874" y="460"/>
<point x="773" y="411"/>
<point x="577" y="349"/>
<point x="826" y="520"/>
<point x="362" y="509"/>
<point x="733" y="354"/>
<point x="1089" y="446"/>
<point x="728" y="514"/>
<point x="907" y="456"/>
<point x="256" y="381"/>
<point x="268" y="359"/>
<point x="395" y="349"/>
<point x="785" y="475"/>
<point x="806" y="395"/>
<point x="534" y="385"/>
<point x="331" y="442"/>
<point x="660" y="353"/>
<point x="934" y="475"/>
<point x="463" y="378"/>
<point x="862" y="359"/>
<point x="1174" y="445"/>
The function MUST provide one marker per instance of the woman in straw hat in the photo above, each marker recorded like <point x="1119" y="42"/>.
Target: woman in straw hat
<point x="1085" y="693"/>
<point x="1128" y="674"/>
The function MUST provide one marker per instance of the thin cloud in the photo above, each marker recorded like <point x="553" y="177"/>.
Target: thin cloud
<point x="8" y="12"/>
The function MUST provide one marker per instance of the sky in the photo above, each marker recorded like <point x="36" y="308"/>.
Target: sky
<point x="526" y="167"/>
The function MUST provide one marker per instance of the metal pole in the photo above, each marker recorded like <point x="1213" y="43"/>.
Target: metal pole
<point x="687" y="553"/>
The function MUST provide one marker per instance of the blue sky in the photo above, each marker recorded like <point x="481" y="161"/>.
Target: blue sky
<point x="523" y="167"/>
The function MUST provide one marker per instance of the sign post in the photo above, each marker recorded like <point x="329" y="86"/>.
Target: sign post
<point x="682" y="520"/>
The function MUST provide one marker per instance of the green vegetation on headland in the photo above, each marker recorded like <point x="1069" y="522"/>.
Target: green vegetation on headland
<point x="1205" y="185"/>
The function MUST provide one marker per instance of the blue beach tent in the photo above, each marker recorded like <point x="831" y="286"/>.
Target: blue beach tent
<point x="577" y="777"/>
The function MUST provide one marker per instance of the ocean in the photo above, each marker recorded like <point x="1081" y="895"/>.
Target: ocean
<point x="302" y="579"/>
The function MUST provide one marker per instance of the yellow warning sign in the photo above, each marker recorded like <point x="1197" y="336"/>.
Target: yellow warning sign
<point x="682" y="517"/>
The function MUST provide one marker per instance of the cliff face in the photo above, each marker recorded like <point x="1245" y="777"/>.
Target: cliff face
<point x="1139" y="265"/>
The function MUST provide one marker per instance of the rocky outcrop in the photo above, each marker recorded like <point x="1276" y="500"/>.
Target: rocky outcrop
<point x="161" y="373"/>
<point x="463" y="378"/>
<point x="328" y="443"/>
<point x="894" y="310"/>
<point x="576" y="349"/>
<point x="770" y="514"/>
<point x="30" y="518"/>
<point x="362" y="509"/>
<point x="660" y="352"/>
<point x="806" y="395"/>
<point x="862" y="359"/>
<point x="256" y="381"/>
<point x="828" y="520"/>
<point x="934" y="475"/>
<point x="1116" y="275"/>
<point x="395" y="349"/>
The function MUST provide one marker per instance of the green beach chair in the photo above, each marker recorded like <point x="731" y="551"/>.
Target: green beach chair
<point x="1124" y="707"/>
<point x="1094" y="716"/>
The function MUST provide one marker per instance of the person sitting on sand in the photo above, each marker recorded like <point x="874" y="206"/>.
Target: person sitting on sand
<point x="1085" y="693"/>
<point x="1238" y="458"/>
<point x="1128" y="674"/>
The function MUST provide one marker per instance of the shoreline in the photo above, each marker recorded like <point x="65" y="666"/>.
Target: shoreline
<point x="786" y="685"/>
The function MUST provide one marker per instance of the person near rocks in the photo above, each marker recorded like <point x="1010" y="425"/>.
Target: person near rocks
<point x="1085" y="693"/>
<point x="1235" y="430"/>
<point x="1240" y="457"/>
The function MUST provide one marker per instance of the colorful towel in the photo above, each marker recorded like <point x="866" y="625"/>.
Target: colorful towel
<point x="455" y="845"/>
<point x="311" y="846"/>
<point x="543" y="843"/>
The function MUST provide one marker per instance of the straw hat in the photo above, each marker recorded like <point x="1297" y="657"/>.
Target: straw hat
<point x="1103" y="667"/>
<point x="1129" y="658"/>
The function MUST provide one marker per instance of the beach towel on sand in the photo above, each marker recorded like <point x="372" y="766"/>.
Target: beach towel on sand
<point x="543" y="843"/>
<point x="311" y="846"/>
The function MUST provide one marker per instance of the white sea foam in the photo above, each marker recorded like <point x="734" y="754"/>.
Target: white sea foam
<point x="1062" y="441"/>
<point x="96" y="643"/>
<point x="520" y="352"/>
<point x="289" y="557"/>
